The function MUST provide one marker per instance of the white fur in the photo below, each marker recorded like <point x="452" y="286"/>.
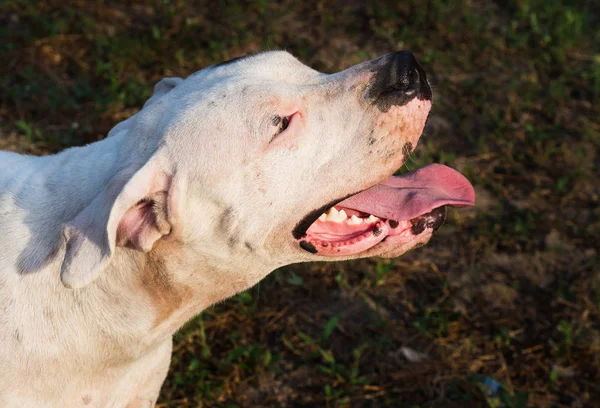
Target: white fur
<point x="79" y="323"/>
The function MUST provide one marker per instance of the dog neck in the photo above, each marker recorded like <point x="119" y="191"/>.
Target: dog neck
<point x="140" y="299"/>
<point x="44" y="193"/>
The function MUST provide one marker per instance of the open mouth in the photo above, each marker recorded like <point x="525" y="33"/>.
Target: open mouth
<point x="396" y="210"/>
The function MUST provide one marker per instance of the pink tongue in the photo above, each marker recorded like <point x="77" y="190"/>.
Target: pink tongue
<point x="406" y="197"/>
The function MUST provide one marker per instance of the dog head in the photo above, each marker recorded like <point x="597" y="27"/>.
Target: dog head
<point x="262" y="161"/>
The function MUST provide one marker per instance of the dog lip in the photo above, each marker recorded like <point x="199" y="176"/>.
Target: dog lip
<point x="302" y="226"/>
<point x="433" y="219"/>
<point x="373" y="236"/>
<point x="417" y="199"/>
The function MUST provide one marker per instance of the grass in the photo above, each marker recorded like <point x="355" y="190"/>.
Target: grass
<point x="502" y="308"/>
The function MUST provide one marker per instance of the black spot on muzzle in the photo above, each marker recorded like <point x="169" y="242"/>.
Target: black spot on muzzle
<point x="307" y="246"/>
<point x="433" y="219"/>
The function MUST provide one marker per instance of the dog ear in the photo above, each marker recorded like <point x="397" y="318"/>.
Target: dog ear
<point x="163" y="87"/>
<point x="134" y="210"/>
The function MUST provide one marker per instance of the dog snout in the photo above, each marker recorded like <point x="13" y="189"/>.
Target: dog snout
<point x="408" y="76"/>
<point x="398" y="80"/>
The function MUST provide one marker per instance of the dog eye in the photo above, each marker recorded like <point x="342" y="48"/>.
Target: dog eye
<point x="284" y="124"/>
<point x="281" y="123"/>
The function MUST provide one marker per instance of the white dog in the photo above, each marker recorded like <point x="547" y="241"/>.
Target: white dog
<point x="106" y="250"/>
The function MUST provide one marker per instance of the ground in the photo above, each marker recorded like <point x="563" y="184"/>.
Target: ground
<point x="502" y="308"/>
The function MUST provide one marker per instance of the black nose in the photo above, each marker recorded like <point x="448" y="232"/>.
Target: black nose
<point x="398" y="79"/>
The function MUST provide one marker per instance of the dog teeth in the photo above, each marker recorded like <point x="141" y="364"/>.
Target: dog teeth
<point x="340" y="216"/>
<point x="354" y="220"/>
<point x="335" y="215"/>
<point x="372" y="219"/>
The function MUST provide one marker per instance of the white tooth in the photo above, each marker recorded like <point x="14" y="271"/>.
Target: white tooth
<point x="372" y="219"/>
<point x="336" y="216"/>
<point x="332" y="211"/>
<point x="332" y="214"/>
<point x="339" y="218"/>
<point x="354" y="220"/>
<point x="323" y="217"/>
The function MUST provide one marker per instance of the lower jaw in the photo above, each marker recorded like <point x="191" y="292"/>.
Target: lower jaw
<point x="363" y="243"/>
<point x="392" y="241"/>
<point x="349" y="247"/>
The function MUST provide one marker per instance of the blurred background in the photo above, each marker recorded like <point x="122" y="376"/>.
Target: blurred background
<point x="502" y="308"/>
